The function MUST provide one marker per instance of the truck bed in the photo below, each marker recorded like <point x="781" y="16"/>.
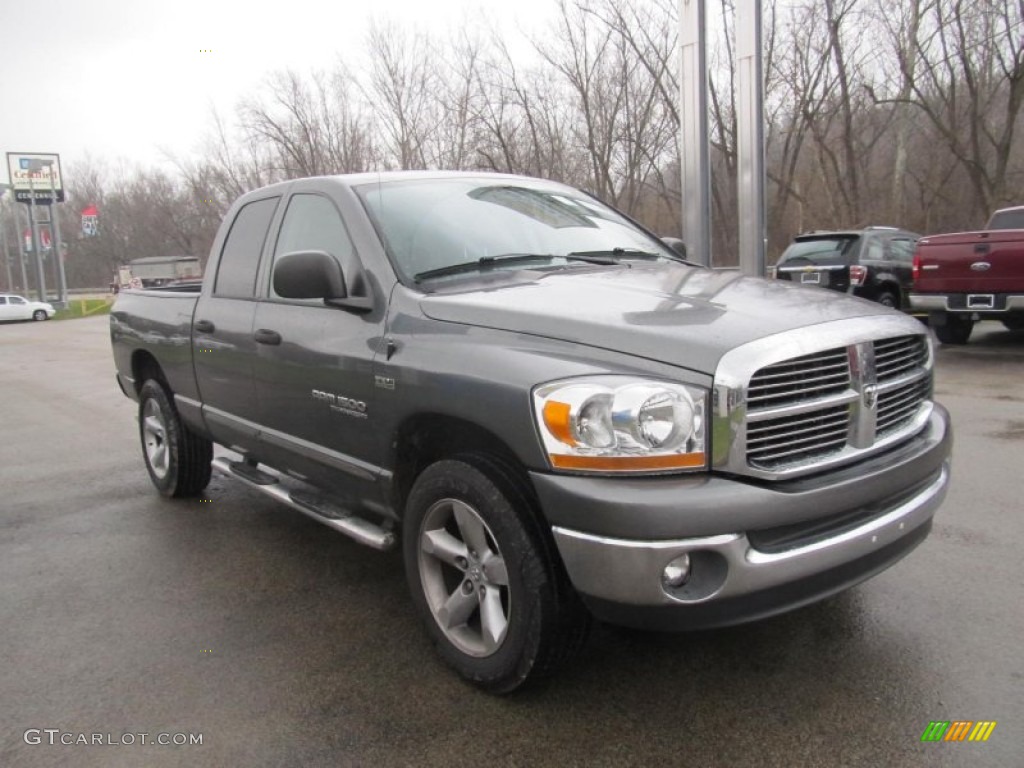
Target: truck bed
<point x="971" y="262"/>
<point x="155" y="323"/>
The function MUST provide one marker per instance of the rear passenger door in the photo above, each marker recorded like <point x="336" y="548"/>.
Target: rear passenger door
<point x="222" y="332"/>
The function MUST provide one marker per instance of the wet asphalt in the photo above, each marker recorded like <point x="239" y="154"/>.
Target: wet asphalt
<point x="284" y="644"/>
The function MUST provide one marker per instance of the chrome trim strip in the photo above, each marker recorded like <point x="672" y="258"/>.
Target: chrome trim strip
<point x="629" y="572"/>
<point x="316" y="452"/>
<point x="310" y="450"/>
<point x="814" y="268"/>
<point x="842" y="398"/>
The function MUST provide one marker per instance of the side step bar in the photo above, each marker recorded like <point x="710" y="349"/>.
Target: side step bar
<point x="312" y="505"/>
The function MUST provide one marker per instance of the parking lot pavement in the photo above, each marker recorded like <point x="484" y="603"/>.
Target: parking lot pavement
<point x="282" y="643"/>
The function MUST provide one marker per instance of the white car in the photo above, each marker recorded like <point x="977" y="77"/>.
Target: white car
<point x="14" y="307"/>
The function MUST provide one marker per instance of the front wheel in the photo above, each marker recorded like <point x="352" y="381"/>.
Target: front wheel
<point x="178" y="460"/>
<point x="956" y="330"/>
<point x="488" y="586"/>
<point x="39" y="314"/>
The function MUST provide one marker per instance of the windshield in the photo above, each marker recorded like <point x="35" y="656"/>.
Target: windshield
<point x="823" y="251"/>
<point x="428" y="225"/>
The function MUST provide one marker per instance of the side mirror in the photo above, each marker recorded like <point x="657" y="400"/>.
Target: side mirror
<point x="309" y="275"/>
<point x="676" y="245"/>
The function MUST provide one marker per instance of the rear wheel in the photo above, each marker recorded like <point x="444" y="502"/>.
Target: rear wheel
<point x="486" y="581"/>
<point x="956" y="330"/>
<point x="178" y="460"/>
<point x="39" y="314"/>
<point x="888" y="299"/>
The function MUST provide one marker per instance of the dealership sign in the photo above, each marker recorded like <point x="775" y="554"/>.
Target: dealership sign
<point x="35" y="174"/>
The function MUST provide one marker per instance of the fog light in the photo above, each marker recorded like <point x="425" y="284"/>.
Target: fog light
<point x="676" y="572"/>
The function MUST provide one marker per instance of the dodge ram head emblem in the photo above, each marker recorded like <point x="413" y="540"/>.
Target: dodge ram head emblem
<point x="869" y="396"/>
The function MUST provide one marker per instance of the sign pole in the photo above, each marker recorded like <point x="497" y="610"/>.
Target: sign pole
<point x="21" y="250"/>
<point x="62" y="286"/>
<point x="37" y="257"/>
<point x="7" y="251"/>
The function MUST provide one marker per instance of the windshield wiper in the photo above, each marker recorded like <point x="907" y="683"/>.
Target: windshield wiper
<point x="490" y="262"/>
<point x="627" y="253"/>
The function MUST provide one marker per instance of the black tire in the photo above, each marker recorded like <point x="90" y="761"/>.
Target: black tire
<point x="39" y="314"/>
<point x="956" y="330"/>
<point x="1014" y="323"/>
<point x="537" y="620"/>
<point x="178" y="460"/>
<point x="888" y="299"/>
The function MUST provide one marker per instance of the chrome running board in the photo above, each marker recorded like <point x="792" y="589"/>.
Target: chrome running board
<point x="311" y="504"/>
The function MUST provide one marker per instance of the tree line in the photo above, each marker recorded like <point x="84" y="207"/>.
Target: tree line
<point x="905" y="114"/>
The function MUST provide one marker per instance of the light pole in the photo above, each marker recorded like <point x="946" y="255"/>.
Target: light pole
<point x="34" y="166"/>
<point x="62" y="288"/>
<point x="3" y="236"/>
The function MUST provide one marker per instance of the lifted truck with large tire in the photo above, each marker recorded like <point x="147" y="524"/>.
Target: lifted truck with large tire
<point x="964" y="277"/>
<point x="553" y="414"/>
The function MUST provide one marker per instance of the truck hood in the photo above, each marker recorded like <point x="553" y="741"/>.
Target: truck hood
<point x="682" y="315"/>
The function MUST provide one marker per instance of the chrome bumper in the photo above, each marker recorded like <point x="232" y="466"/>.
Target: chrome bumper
<point x="629" y="573"/>
<point x="940" y="303"/>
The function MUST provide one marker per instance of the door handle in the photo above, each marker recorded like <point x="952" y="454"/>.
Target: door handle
<point x="263" y="336"/>
<point x="205" y="326"/>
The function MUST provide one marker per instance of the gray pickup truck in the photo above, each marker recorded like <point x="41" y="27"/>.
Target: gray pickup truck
<point x="553" y="413"/>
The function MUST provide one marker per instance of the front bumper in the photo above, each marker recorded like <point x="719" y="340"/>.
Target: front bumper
<point x="773" y="547"/>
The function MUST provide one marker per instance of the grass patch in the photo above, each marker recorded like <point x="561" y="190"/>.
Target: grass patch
<point x="84" y="308"/>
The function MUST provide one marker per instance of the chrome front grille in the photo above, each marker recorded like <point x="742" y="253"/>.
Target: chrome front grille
<point x="789" y="414"/>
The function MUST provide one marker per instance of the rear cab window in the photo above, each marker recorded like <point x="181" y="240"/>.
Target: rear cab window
<point x="1012" y="219"/>
<point x="240" y="256"/>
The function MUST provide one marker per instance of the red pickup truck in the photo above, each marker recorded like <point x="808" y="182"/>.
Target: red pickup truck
<point x="969" y="276"/>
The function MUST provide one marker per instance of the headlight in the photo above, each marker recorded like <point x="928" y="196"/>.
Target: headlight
<point x="622" y="424"/>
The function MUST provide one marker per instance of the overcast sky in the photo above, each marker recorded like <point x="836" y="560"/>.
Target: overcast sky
<point x="127" y="78"/>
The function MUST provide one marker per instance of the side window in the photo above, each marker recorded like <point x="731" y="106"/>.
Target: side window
<point x="17" y="300"/>
<point x="3" y="299"/>
<point x="872" y="250"/>
<point x="236" y="273"/>
<point x="312" y="223"/>
<point x="901" y="249"/>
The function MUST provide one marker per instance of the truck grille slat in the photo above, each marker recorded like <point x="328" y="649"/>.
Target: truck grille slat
<point x="816" y="434"/>
<point x="814" y="385"/>
<point x="778" y="428"/>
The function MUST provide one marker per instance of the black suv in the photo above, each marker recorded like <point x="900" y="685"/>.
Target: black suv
<point x="873" y="263"/>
